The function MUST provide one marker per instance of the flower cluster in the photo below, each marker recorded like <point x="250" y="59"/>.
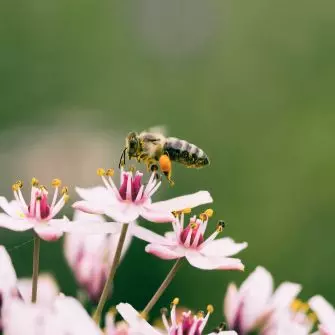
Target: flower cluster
<point x="94" y="246"/>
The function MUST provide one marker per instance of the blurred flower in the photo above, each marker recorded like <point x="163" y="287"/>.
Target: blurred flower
<point x="39" y="214"/>
<point x="189" y="242"/>
<point x="90" y="256"/>
<point x="11" y="287"/>
<point x="325" y="313"/>
<point x="133" y="199"/>
<point x="256" y="306"/>
<point x="53" y="314"/>
<point x="64" y="316"/>
<point x="8" y="279"/>
<point x="189" y="325"/>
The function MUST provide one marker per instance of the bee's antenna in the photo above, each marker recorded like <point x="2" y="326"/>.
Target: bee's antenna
<point x="123" y="157"/>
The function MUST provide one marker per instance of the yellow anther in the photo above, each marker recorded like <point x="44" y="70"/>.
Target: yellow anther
<point x="56" y="182"/>
<point x="15" y="187"/>
<point x="34" y="182"/>
<point x="209" y="212"/>
<point x="220" y="226"/>
<point x="112" y="311"/>
<point x="101" y="172"/>
<point x="19" y="183"/>
<point x="66" y="197"/>
<point x="193" y="225"/>
<point x="65" y="190"/>
<point x="295" y="305"/>
<point x="304" y="308"/>
<point x="110" y="172"/>
<point x="43" y="188"/>
<point x="175" y="301"/>
<point x="210" y="309"/>
<point x="200" y="314"/>
<point x="187" y="211"/>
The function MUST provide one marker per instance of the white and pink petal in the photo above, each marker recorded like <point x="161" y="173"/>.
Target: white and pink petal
<point x="254" y="295"/>
<point x="7" y="273"/>
<point x="137" y="323"/>
<point x="183" y="202"/>
<point x="164" y="252"/>
<point x="15" y="224"/>
<point x="203" y="262"/>
<point x="223" y="247"/>
<point x="230" y="305"/>
<point x="151" y="213"/>
<point x="150" y="236"/>
<point x="325" y="313"/>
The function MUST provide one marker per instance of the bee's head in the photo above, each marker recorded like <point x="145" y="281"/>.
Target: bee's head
<point x="133" y="144"/>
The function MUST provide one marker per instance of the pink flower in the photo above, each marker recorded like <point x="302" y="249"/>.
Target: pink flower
<point x="90" y="256"/>
<point x="53" y="314"/>
<point x="189" y="242"/>
<point x="8" y="279"/>
<point x="189" y="325"/>
<point x="39" y="213"/>
<point x="11" y="287"/>
<point x="133" y="199"/>
<point x="64" y="316"/>
<point x="325" y="313"/>
<point x="255" y="306"/>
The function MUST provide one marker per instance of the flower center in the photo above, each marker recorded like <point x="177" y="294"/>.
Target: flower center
<point x="190" y="232"/>
<point x="41" y="199"/>
<point x="135" y="182"/>
<point x="131" y="189"/>
<point x="189" y="324"/>
<point x="193" y="235"/>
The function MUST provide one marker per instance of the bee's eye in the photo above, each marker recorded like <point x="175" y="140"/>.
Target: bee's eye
<point x="132" y="143"/>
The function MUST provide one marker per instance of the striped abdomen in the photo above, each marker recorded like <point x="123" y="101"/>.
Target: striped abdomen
<point x="185" y="153"/>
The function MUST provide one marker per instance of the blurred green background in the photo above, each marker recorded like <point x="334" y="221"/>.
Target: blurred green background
<point x="251" y="82"/>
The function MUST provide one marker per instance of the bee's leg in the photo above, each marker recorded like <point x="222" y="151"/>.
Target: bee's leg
<point x="154" y="168"/>
<point x="122" y="161"/>
<point x="166" y="167"/>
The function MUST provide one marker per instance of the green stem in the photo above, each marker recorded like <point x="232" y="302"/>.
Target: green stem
<point x="163" y="286"/>
<point x="36" y="264"/>
<point x="104" y="295"/>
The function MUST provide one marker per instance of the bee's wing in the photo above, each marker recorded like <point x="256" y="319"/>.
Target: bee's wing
<point x="159" y="129"/>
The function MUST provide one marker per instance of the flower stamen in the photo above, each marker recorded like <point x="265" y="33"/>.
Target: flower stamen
<point x="34" y="182"/>
<point x="101" y="172"/>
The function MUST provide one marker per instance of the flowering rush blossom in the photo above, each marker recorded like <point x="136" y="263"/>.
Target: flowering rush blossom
<point x="64" y="316"/>
<point x="133" y="199"/>
<point x="189" y="325"/>
<point x="325" y="313"/>
<point x="39" y="213"/>
<point x="189" y="242"/>
<point x="11" y="287"/>
<point x="256" y="307"/>
<point x="90" y="256"/>
<point x="53" y="314"/>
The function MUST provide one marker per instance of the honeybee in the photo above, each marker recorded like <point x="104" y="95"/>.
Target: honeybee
<point x="154" y="148"/>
